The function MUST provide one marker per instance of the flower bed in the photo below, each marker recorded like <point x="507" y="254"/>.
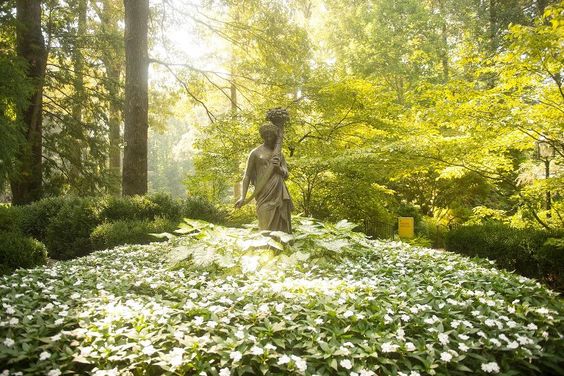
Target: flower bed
<point x="334" y="303"/>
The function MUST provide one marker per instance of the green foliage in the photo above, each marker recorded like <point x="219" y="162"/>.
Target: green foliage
<point x="20" y="251"/>
<point x="232" y="305"/>
<point x="551" y="261"/>
<point x="522" y="250"/>
<point x="9" y="218"/>
<point x="35" y="218"/>
<point x="68" y="233"/>
<point x="200" y="208"/>
<point x="138" y="207"/>
<point x="112" y="234"/>
<point x="14" y="91"/>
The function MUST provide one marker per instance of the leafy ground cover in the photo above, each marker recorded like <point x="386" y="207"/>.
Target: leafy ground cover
<point x="329" y="301"/>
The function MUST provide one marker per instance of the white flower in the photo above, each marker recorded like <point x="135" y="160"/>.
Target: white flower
<point x="269" y="346"/>
<point x="284" y="359"/>
<point x="240" y="334"/>
<point x="409" y="346"/>
<point x="255" y="350"/>
<point x="198" y="320"/>
<point x="414" y="373"/>
<point x="490" y="322"/>
<point x="149" y="350"/>
<point x="211" y="324"/>
<point x="175" y="356"/>
<point x="348" y="314"/>
<point x="54" y="372"/>
<point x="10" y="310"/>
<point x="319" y="321"/>
<point x="463" y="347"/>
<point x="463" y="337"/>
<point x="389" y="347"/>
<point x="491" y="367"/>
<point x="446" y="357"/>
<point x="236" y="356"/>
<point x="14" y="321"/>
<point x="44" y="355"/>
<point x="443" y="338"/>
<point x="75" y="296"/>
<point x="345" y="363"/>
<point x="224" y="372"/>
<point x="512" y="345"/>
<point x="8" y="342"/>
<point x="364" y="372"/>
<point x="301" y="364"/>
<point x="279" y="307"/>
<point x="532" y="326"/>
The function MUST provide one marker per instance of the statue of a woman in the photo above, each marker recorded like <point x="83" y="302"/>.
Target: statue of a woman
<point x="274" y="204"/>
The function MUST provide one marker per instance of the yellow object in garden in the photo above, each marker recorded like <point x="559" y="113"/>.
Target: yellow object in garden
<point x="405" y="227"/>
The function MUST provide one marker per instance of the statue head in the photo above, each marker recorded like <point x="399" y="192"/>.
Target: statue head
<point x="269" y="133"/>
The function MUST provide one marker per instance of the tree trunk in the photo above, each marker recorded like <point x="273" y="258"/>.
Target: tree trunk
<point x="134" y="178"/>
<point x="493" y="26"/>
<point x="26" y="183"/>
<point x="444" y="40"/>
<point x="77" y="131"/>
<point x="113" y="63"/>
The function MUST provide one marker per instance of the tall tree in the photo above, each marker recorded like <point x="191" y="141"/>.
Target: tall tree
<point x="134" y="177"/>
<point x="26" y="183"/>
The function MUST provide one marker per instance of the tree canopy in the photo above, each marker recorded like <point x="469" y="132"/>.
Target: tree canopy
<point x="397" y="106"/>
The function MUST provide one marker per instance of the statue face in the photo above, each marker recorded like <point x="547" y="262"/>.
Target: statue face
<point x="270" y="139"/>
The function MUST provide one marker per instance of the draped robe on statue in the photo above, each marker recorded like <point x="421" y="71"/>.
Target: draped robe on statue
<point x="274" y="204"/>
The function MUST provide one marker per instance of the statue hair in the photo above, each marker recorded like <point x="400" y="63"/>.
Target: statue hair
<point x="268" y="128"/>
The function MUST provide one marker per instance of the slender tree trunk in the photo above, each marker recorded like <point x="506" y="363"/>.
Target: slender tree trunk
<point x="134" y="177"/>
<point x="26" y="183"/>
<point x="77" y="128"/>
<point x="113" y="63"/>
<point x="114" y="125"/>
<point x="444" y="39"/>
<point x="493" y="25"/>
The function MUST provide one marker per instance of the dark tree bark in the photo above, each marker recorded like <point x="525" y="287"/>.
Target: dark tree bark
<point x="112" y="58"/>
<point x="77" y="125"/>
<point x="134" y="177"/>
<point x="26" y="182"/>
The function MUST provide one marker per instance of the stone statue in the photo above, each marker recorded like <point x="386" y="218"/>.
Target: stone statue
<point x="267" y="170"/>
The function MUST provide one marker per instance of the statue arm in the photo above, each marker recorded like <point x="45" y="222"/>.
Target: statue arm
<point x="249" y="171"/>
<point x="283" y="168"/>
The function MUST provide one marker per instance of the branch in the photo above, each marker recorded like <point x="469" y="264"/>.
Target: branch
<point x="211" y="116"/>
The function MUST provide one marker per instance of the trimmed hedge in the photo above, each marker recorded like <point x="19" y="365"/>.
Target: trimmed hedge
<point x="20" y="251"/>
<point x="109" y="235"/>
<point x="68" y="233"/>
<point x="529" y="252"/>
<point x="65" y="224"/>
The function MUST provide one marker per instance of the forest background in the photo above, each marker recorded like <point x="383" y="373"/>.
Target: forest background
<point x="438" y="109"/>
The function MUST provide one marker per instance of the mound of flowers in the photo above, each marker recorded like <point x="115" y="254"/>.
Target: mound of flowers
<point x="326" y="301"/>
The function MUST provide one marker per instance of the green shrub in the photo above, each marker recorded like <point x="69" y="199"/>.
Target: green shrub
<point x="20" y="251"/>
<point x="35" y="218"/>
<point x="68" y="233"/>
<point x="524" y="250"/>
<point x="112" y="234"/>
<point x="199" y="208"/>
<point x="551" y="262"/>
<point x="9" y="218"/>
<point x="167" y="207"/>
<point x="127" y="208"/>
<point x="239" y="217"/>
<point x="140" y="207"/>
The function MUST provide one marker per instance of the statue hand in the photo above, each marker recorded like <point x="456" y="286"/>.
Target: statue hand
<point x="276" y="161"/>
<point x="240" y="203"/>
